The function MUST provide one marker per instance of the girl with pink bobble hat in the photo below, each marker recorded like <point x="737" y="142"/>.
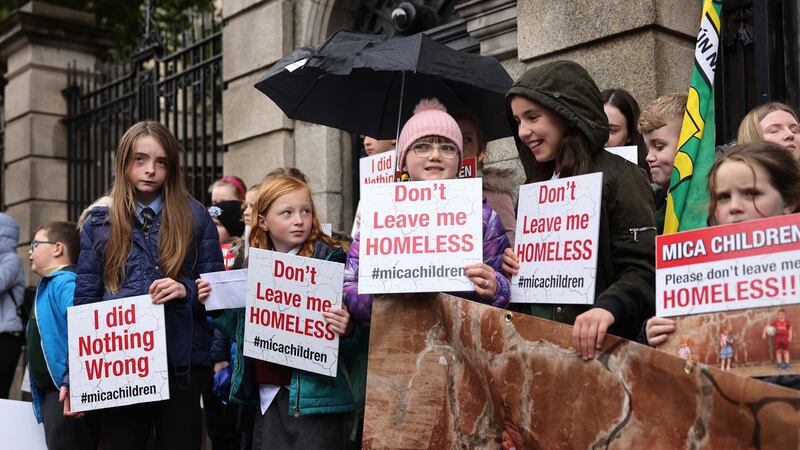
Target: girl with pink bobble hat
<point x="430" y="148"/>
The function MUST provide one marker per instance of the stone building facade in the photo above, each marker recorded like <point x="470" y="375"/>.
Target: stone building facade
<point x="644" y="46"/>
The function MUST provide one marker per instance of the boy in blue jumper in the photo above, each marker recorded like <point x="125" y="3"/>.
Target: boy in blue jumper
<point x="53" y="255"/>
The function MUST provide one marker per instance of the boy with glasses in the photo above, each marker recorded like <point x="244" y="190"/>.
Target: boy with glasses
<point x="53" y="254"/>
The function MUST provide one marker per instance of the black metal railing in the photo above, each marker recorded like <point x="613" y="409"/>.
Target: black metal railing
<point x="176" y="80"/>
<point x="758" y="60"/>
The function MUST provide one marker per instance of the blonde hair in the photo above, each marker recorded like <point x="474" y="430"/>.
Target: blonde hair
<point x="271" y="190"/>
<point x="175" y="232"/>
<point x="750" y="128"/>
<point x="662" y="111"/>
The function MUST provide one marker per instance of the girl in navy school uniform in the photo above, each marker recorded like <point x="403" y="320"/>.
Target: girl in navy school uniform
<point x="153" y="239"/>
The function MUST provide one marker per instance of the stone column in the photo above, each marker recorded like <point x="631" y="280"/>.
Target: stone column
<point x="259" y="136"/>
<point x="36" y="44"/>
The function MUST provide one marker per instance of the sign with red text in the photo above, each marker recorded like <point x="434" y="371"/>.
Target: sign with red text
<point x="469" y="168"/>
<point x="117" y="353"/>
<point x="418" y="236"/>
<point x="558" y="223"/>
<point x="377" y="168"/>
<point x="746" y="265"/>
<point x="286" y="296"/>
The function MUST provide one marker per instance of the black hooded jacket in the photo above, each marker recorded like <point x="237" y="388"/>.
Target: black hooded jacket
<point x="625" y="283"/>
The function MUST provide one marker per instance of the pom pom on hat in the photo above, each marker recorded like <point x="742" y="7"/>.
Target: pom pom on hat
<point x="430" y="119"/>
<point x="429" y="104"/>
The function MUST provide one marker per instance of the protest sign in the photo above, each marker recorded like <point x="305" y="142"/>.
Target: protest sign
<point x="629" y="152"/>
<point x="727" y="288"/>
<point x="286" y="295"/>
<point x="18" y="426"/>
<point x="228" y="289"/>
<point x="469" y="168"/>
<point x="558" y="223"/>
<point x="117" y="353"/>
<point x="418" y="236"/>
<point x="228" y="257"/>
<point x="377" y="168"/>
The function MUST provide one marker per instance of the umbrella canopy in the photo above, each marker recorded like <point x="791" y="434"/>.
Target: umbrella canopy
<point x="364" y="83"/>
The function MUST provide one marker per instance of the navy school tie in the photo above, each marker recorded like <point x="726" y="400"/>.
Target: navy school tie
<point x="148" y="216"/>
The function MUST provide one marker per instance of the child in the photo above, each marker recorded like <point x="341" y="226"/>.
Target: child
<point x="154" y="239"/>
<point x="299" y="409"/>
<point x="749" y="181"/>
<point x="430" y="148"/>
<point x="725" y="349"/>
<point x="52" y="254"/>
<point x="685" y="351"/>
<point x="499" y="187"/>
<point x="775" y="122"/>
<point x="561" y="127"/>
<point x="227" y="188"/>
<point x="660" y="126"/>
<point x="227" y="217"/>
<point x="782" y="336"/>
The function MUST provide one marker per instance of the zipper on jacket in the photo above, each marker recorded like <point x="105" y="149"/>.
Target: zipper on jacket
<point x="297" y="396"/>
<point x="635" y="232"/>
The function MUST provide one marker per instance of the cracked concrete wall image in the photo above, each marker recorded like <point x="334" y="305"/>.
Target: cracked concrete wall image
<point x="450" y="373"/>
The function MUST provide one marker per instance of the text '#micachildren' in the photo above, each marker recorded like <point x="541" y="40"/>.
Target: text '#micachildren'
<point x="291" y="350"/>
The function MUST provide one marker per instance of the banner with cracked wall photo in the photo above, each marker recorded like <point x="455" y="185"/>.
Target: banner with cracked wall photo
<point x="419" y="236"/>
<point x="558" y="223"/>
<point x="117" y="353"/>
<point x="733" y="292"/>
<point x="286" y="295"/>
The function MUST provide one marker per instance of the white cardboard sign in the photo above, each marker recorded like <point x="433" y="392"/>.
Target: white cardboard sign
<point x="377" y="168"/>
<point x="286" y="295"/>
<point x="746" y="265"/>
<point x="418" y="236"/>
<point x="117" y="353"/>
<point x="558" y="223"/>
<point x="228" y="289"/>
<point x="629" y="152"/>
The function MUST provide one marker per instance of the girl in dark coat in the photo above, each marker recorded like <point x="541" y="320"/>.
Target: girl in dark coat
<point x="153" y="239"/>
<point x="561" y="127"/>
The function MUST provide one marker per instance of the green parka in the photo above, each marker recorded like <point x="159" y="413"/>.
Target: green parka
<point x="625" y="283"/>
<point x="309" y="393"/>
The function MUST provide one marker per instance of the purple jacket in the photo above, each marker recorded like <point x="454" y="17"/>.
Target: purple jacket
<point x="494" y="244"/>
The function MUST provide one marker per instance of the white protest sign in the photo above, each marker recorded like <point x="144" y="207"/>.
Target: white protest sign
<point x="377" y="168"/>
<point x="746" y="265"/>
<point x="18" y="426"/>
<point x="629" y="152"/>
<point x="286" y="295"/>
<point x="117" y="353"/>
<point x="558" y="223"/>
<point x="228" y="289"/>
<point x="418" y="236"/>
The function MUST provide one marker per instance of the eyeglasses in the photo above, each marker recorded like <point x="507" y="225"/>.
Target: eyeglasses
<point x="35" y="243"/>
<point x="425" y="149"/>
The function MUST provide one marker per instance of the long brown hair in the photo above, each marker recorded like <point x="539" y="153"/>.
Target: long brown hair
<point x="781" y="166"/>
<point x="574" y="158"/>
<point x="175" y="232"/>
<point x="271" y="190"/>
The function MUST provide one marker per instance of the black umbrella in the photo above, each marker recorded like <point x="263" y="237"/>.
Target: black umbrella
<point x="369" y="84"/>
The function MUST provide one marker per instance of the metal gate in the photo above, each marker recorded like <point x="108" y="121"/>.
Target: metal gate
<point x="758" y="60"/>
<point x="176" y="80"/>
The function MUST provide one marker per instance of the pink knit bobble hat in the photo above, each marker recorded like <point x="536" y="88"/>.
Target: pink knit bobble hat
<point x="430" y="119"/>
